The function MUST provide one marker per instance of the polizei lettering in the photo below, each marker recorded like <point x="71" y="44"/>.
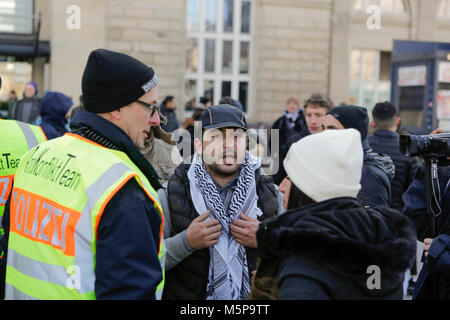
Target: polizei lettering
<point x="54" y="170"/>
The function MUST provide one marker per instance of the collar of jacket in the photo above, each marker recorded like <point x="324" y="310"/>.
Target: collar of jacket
<point x="386" y="134"/>
<point x="343" y="234"/>
<point x="85" y="119"/>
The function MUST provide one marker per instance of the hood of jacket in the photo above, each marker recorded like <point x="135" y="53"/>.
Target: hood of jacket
<point x="346" y="238"/>
<point x="54" y="107"/>
<point x="382" y="161"/>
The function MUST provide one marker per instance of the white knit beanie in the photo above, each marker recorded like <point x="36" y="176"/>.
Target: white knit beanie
<point x="327" y="165"/>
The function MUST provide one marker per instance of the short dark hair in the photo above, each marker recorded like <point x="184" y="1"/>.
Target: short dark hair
<point x="384" y="115"/>
<point x="228" y="100"/>
<point x="168" y="99"/>
<point x="320" y="100"/>
<point x="205" y="100"/>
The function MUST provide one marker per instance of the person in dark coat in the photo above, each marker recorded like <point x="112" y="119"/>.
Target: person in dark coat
<point x="167" y="109"/>
<point x="54" y="107"/>
<point x="292" y="122"/>
<point x="316" y="107"/>
<point x="328" y="246"/>
<point x="212" y="209"/>
<point x="386" y="140"/>
<point x="12" y="99"/>
<point x="436" y="267"/>
<point x="28" y="109"/>
<point x="378" y="170"/>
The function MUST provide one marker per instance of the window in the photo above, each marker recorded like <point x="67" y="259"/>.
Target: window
<point x="14" y="76"/>
<point x="444" y="9"/>
<point x="370" y="73"/>
<point x="392" y="6"/>
<point x="218" y="51"/>
<point x="16" y="16"/>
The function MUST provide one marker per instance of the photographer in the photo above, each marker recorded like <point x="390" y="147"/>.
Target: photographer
<point x="434" y="278"/>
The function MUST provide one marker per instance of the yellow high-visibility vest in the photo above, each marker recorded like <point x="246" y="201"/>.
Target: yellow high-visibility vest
<point x="60" y="191"/>
<point x="16" y="139"/>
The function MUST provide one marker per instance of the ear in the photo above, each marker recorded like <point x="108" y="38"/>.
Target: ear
<point x="198" y="146"/>
<point x="397" y="122"/>
<point x="116" y="114"/>
<point x="372" y="124"/>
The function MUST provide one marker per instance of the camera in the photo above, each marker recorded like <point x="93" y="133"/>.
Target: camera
<point x="428" y="146"/>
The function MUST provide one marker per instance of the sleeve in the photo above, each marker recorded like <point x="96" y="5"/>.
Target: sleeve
<point x="439" y="255"/>
<point x="375" y="187"/>
<point x="415" y="207"/>
<point x="295" y="285"/>
<point x="177" y="247"/>
<point x="127" y="264"/>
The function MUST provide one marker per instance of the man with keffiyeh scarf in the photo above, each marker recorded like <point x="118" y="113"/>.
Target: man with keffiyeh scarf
<point x="212" y="210"/>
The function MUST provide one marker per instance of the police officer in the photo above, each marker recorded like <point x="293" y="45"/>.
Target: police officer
<point x="17" y="138"/>
<point x="85" y="221"/>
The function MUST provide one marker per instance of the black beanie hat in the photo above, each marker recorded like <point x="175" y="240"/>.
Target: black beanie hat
<point x="112" y="80"/>
<point x="352" y="117"/>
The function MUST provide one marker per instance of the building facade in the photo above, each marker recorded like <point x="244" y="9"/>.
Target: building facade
<point x="260" y="52"/>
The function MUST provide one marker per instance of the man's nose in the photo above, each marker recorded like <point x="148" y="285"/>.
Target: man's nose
<point x="155" y="120"/>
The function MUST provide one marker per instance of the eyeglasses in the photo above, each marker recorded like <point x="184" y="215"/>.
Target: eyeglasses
<point x="152" y="107"/>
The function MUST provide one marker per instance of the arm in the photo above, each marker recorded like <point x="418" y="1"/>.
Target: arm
<point x="177" y="248"/>
<point x="439" y="255"/>
<point x="415" y="207"/>
<point x="127" y="264"/>
<point x="375" y="186"/>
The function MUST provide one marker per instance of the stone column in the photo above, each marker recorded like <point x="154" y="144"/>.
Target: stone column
<point x="70" y="46"/>
<point x="339" y="81"/>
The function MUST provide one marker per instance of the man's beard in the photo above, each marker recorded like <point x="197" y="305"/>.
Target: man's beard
<point x="224" y="173"/>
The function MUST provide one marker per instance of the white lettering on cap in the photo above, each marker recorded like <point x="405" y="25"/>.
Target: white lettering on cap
<point x="151" y="84"/>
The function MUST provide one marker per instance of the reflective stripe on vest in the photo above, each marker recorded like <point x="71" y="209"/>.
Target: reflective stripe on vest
<point x="16" y="138"/>
<point x="54" y="221"/>
<point x="162" y="261"/>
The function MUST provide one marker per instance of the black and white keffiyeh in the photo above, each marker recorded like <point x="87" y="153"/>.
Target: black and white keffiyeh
<point x="291" y="117"/>
<point x="228" y="273"/>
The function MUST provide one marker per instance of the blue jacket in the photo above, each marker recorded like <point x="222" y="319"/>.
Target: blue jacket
<point x="127" y="265"/>
<point x="415" y="203"/>
<point x="388" y="142"/>
<point x="54" y="107"/>
<point x="438" y="260"/>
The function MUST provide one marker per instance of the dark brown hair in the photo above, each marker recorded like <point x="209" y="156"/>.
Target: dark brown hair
<point x="297" y="198"/>
<point x="318" y="100"/>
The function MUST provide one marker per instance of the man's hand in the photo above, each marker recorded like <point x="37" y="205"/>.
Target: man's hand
<point x="244" y="231"/>
<point x="203" y="233"/>
<point x="427" y="245"/>
<point x="438" y="131"/>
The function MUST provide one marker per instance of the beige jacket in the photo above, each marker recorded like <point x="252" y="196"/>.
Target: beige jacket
<point x="161" y="151"/>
